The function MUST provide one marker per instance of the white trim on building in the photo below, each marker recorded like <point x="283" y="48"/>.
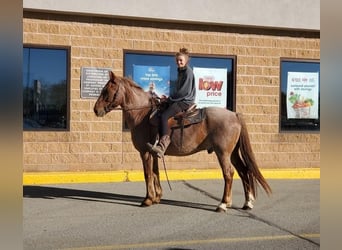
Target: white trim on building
<point x="281" y="14"/>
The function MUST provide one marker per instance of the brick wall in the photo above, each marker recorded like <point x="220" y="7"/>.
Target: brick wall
<point x="100" y="144"/>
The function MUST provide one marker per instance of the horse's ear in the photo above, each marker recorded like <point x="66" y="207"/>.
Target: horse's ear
<point x="111" y="76"/>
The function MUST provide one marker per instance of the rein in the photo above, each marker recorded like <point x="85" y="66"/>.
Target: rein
<point x="134" y="108"/>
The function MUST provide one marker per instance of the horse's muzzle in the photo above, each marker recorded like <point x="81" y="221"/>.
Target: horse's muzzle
<point x="99" y="113"/>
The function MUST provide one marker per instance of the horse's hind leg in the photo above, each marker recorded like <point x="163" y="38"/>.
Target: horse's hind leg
<point x="246" y="182"/>
<point x="228" y="173"/>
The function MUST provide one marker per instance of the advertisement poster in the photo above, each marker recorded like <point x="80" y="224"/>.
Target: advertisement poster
<point x="211" y="87"/>
<point x="302" y="95"/>
<point x="155" y="79"/>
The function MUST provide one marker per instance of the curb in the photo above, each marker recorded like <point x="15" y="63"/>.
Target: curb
<point x="138" y="175"/>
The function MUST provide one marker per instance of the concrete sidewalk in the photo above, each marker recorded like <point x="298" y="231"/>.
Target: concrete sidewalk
<point x="138" y="175"/>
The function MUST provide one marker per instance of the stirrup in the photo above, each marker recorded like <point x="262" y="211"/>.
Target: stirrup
<point x="152" y="147"/>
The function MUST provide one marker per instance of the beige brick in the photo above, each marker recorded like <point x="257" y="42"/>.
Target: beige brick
<point x="112" y="53"/>
<point x="102" y="42"/>
<point x="218" y="49"/>
<point x="94" y="158"/>
<point x="227" y="39"/>
<point x="79" y="147"/>
<point x="270" y="71"/>
<point x="288" y="53"/>
<point x="48" y="28"/>
<point x="69" y="137"/>
<point x="92" y="137"/>
<point x="92" y="52"/>
<point x="125" y="44"/>
<point x="102" y="63"/>
<point x="58" y="147"/>
<point x="36" y="38"/>
<point x="80" y="126"/>
<point x="101" y="147"/>
<point x="65" y="158"/>
<point x="200" y="48"/>
<point x="59" y="40"/>
<point x="142" y="45"/>
<point x="245" y="41"/>
<point x="36" y="147"/>
<point x="264" y="42"/>
<point x="101" y="126"/>
<point x="30" y="27"/>
<point x="29" y="136"/>
<point x="112" y="158"/>
<point x="131" y="157"/>
<point x="81" y="62"/>
<point x="161" y="46"/>
<point x="81" y="105"/>
<point x="112" y="136"/>
<point x="46" y="136"/>
<point x="78" y="41"/>
<point x="251" y="70"/>
<point x="69" y="29"/>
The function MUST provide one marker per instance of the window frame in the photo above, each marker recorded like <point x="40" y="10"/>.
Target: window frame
<point x="301" y="125"/>
<point x="68" y="84"/>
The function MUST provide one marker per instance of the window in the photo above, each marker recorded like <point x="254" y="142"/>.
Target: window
<point x="45" y="88"/>
<point x="167" y="60"/>
<point x="300" y="95"/>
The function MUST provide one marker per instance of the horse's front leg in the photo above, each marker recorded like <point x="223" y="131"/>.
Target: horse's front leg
<point x="156" y="177"/>
<point x="150" y="180"/>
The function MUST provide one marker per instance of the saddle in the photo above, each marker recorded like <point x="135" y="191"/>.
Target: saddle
<point x="185" y="118"/>
<point x="181" y="120"/>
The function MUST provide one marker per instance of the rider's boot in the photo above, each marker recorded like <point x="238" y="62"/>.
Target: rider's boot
<point x="161" y="147"/>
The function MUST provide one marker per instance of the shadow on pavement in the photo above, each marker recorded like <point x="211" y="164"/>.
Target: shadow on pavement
<point x="94" y="196"/>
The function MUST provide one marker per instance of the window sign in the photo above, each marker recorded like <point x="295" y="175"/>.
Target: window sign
<point x="302" y="95"/>
<point x="211" y="87"/>
<point x="155" y="79"/>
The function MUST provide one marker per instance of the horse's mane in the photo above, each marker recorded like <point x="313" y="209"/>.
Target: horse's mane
<point x="131" y="83"/>
<point x="131" y="86"/>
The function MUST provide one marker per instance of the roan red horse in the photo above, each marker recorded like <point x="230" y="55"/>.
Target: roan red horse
<point x="222" y="131"/>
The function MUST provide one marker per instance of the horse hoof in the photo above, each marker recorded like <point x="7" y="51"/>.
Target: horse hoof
<point x="157" y="201"/>
<point x="245" y="207"/>
<point x="220" y="210"/>
<point x="146" y="203"/>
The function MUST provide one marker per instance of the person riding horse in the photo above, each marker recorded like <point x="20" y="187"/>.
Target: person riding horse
<point x="181" y="99"/>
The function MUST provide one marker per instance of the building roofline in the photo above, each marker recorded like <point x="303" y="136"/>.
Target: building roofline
<point x="281" y="14"/>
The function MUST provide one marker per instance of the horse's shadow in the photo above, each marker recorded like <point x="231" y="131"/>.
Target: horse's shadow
<point x="95" y="196"/>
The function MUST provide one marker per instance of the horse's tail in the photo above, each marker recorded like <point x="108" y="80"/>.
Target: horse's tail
<point x="253" y="172"/>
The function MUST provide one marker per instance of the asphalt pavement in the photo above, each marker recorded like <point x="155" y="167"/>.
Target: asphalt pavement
<point x="109" y="216"/>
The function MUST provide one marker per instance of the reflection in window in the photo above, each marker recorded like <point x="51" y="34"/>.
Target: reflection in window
<point x="45" y="88"/>
<point x="300" y="95"/>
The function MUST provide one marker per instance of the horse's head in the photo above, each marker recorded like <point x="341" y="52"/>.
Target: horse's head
<point x="110" y="96"/>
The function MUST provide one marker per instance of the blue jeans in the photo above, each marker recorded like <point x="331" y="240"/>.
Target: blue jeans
<point x="172" y="110"/>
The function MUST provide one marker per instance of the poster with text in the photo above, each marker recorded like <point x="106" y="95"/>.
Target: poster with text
<point x="211" y="87"/>
<point x="155" y="79"/>
<point x="302" y="95"/>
